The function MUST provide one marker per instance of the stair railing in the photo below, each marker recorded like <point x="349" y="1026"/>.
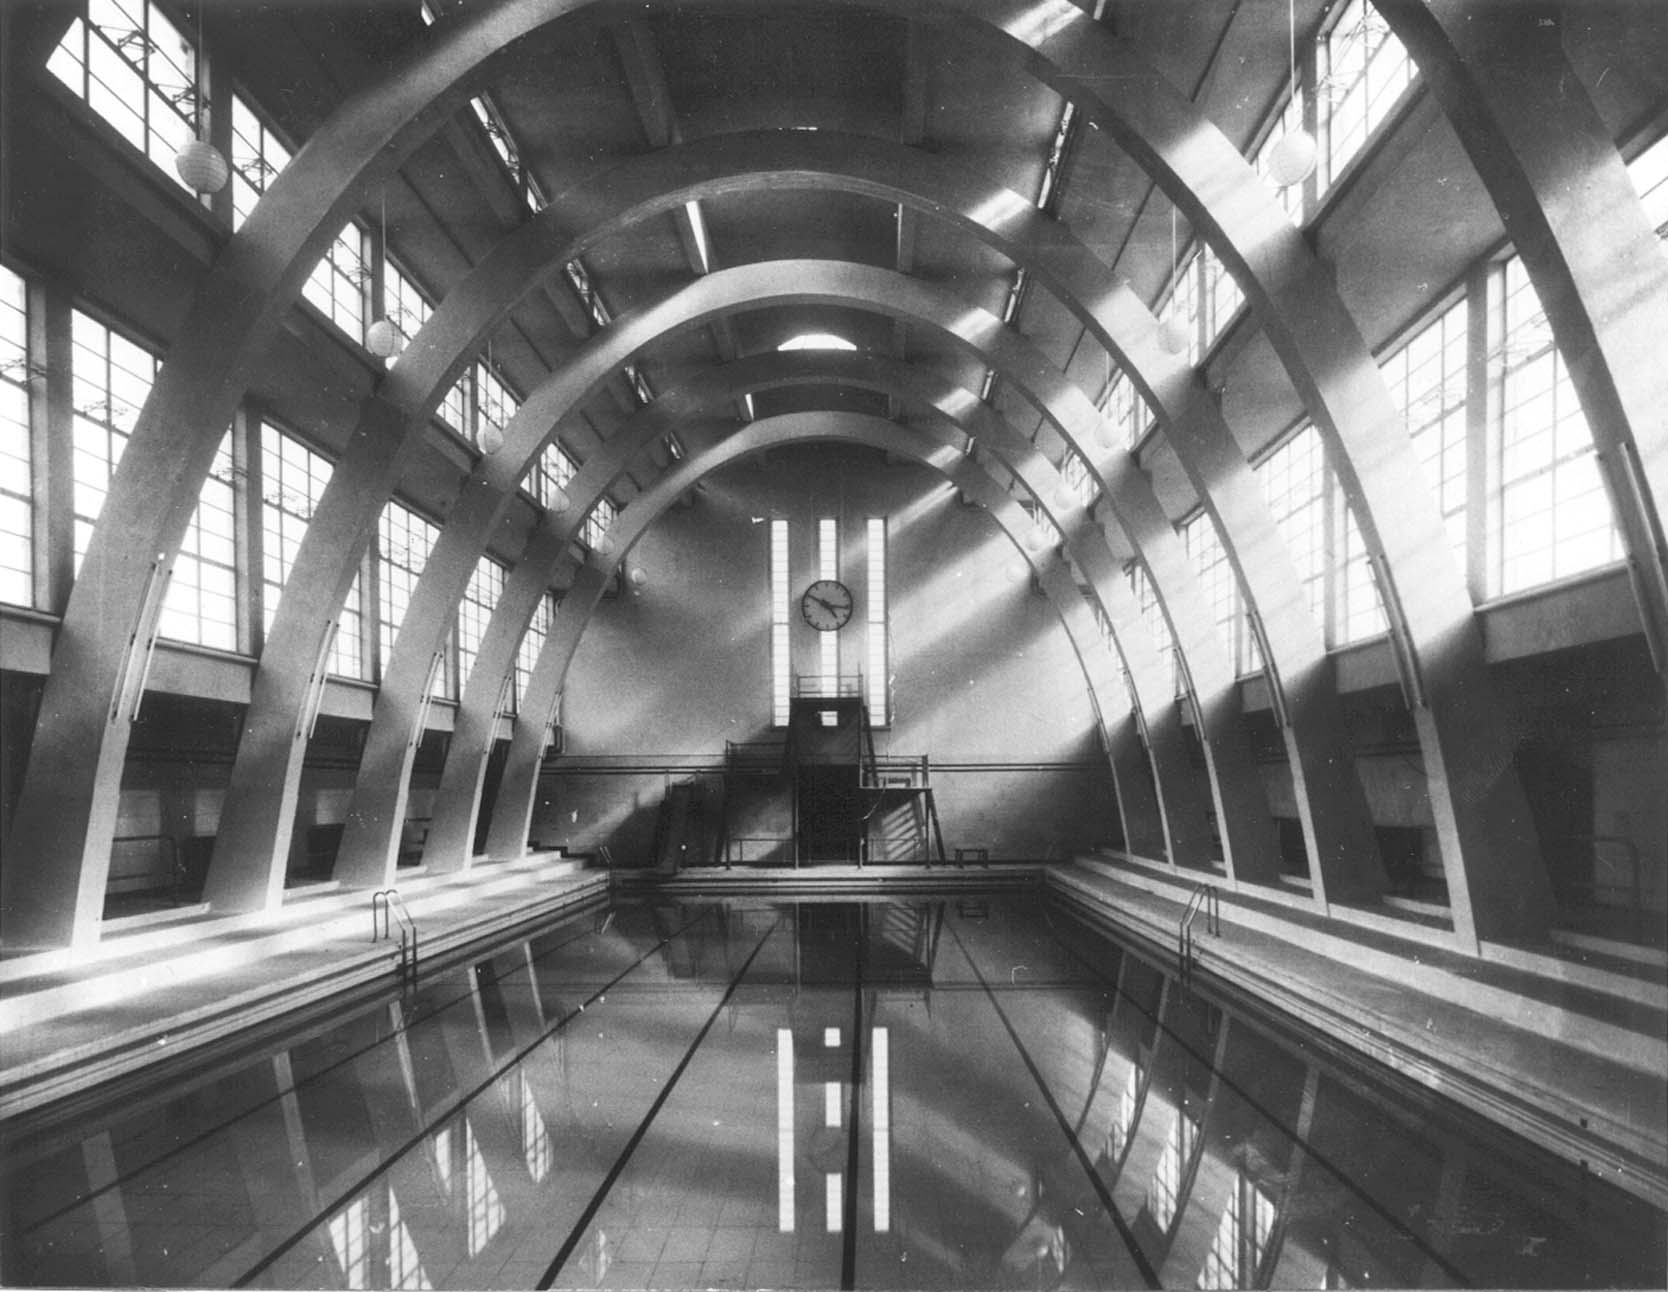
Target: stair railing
<point x="1205" y="899"/>
<point x="387" y="904"/>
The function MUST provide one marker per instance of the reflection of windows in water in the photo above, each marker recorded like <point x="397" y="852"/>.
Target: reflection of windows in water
<point x="1164" y="1198"/>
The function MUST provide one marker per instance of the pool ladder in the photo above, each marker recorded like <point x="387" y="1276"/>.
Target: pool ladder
<point x="1204" y="899"/>
<point x="387" y="909"/>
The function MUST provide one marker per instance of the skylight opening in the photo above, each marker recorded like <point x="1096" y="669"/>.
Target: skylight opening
<point x="816" y="341"/>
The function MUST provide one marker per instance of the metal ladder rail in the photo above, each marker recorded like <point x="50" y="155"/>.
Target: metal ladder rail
<point x="1206" y="899"/>
<point x="391" y="906"/>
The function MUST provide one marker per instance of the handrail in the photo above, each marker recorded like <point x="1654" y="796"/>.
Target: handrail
<point x="1203" y="898"/>
<point x="391" y="905"/>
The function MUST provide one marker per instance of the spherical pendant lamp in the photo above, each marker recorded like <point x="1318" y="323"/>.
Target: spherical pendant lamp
<point x="1292" y="160"/>
<point x="489" y="439"/>
<point x="202" y="167"/>
<point x="383" y="339"/>
<point x="638" y="576"/>
<point x="1173" y="336"/>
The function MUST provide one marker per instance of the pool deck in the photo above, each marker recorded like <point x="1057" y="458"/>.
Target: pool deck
<point x="1566" y="1045"/>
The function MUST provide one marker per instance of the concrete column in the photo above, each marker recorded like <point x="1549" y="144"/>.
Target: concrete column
<point x="246" y="871"/>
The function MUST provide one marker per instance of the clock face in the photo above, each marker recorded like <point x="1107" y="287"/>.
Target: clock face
<point x="826" y="605"/>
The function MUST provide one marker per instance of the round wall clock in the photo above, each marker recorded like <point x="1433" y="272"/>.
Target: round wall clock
<point x="826" y="605"/>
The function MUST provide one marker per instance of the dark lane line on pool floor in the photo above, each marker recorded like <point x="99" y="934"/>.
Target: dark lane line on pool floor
<point x="463" y="1101"/>
<point x="1136" y="1254"/>
<point x="1461" y="1279"/>
<point x="602" y="1190"/>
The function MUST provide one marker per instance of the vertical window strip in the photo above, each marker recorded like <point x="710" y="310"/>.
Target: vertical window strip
<point x="349" y="1231"/>
<point x="1152" y="614"/>
<point x="257" y="158"/>
<point x="828" y="567"/>
<point x="535" y="1135"/>
<point x="1216" y="574"/>
<point x="494" y="402"/>
<point x="598" y="522"/>
<point x="780" y="661"/>
<point x="480" y="597"/>
<point x="200" y="605"/>
<point x="403" y="302"/>
<point x="17" y="539"/>
<point x="454" y="405"/>
<point x="405" y="1266"/>
<point x="532" y="643"/>
<point x="111" y="378"/>
<point x="1221" y="296"/>
<point x="1428" y="378"/>
<point x="1126" y="409"/>
<point x="1550" y="516"/>
<point x="1360" y="612"/>
<point x="293" y="479"/>
<point x="1288" y="120"/>
<point x="1363" y="72"/>
<point x="337" y="283"/>
<point x="877" y="666"/>
<point x="1649" y="173"/>
<point x="1221" y="1268"/>
<point x="485" y="1206"/>
<point x="1294" y="483"/>
<point x="553" y="470"/>
<point x="137" y="71"/>
<point x="404" y="542"/>
<point x="1079" y="480"/>
<point x="1181" y="305"/>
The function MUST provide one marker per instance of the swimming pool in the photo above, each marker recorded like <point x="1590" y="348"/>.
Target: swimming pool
<point x="974" y="1092"/>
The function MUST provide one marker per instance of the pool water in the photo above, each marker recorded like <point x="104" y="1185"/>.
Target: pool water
<point x="975" y="1092"/>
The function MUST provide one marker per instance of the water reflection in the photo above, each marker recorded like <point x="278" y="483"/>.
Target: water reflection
<point x="874" y="1094"/>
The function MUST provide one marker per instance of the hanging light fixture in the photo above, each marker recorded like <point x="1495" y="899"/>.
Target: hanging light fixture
<point x="1292" y="159"/>
<point x="383" y="338"/>
<point x="489" y="437"/>
<point x="559" y="501"/>
<point x="605" y="545"/>
<point x="638" y="576"/>
<point x="1173" y="332"/>
<point x="199" y="163"/>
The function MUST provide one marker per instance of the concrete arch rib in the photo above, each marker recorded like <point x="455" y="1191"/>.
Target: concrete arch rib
<point x="1553" y="171"/>
<point x="371" y="836"/>
<point x="512" y="814"/>
<point x="66" y="809"/>
<point x="255" y="825"/>
<point x="452" y="827"/>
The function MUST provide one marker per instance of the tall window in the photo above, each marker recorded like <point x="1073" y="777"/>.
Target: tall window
<point x="257" y="158"/>
<point x="1158" y="627"/>
<point x="781" y="661"/>
<point x="200" y="605"/>
<point x="1649" y="173"/>
<point x="1288" y="120"/>
<point x="1075" y="471"/>
<point x="828" y="644"/>
<point x="293" y="478"/>
<point x="494" y="404"/>
<point x="404" y="542"/>
<point x="1427" y="378"/>
<point x="1363" y="70"/>
<point x="877" y="664"/>
<point x="598" y="522"/>
<point x="1123" y="1117"/>
<point x="1165" y="1194"/>
<point x="17" y="545"/>
<point x="337" y="284"/>
<point x="1126" y="410"/>
<point x="480" y="597"/>
<point x="1220" y="297"/>
<point x="403" y="302"/>
<point x="531" y="644"/>
<point x="405" y="1267"/>
<point x="111" y="379"/>
<point x="1549" y="516"/>
<point x="552" y="470"/>
<point x="1359" y="613"/>
<point x="349" y="1231"/>
<point x="1216" y="575"/>
<point x="1294" y="482"/>
<point x="1181" y="306"/>
<point x="135" y="69"/>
